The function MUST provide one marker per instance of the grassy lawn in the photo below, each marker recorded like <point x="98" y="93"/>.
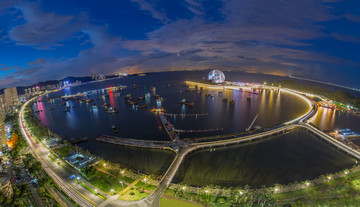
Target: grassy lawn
<point x="133" y="194"/>
<point x="145" y="186"/>
<point x="343" y="191"/>
<point x="106" y="182"/>
<point x="120" y="176"/>
<point x="165" y="202"/>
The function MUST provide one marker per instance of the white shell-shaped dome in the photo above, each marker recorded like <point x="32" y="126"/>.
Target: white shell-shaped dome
<point x="216" y="76"/>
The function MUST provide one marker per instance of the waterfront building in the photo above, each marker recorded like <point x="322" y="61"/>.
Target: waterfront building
<point x="80" y="160"/>
<point x="347" y="133"/>
<point x="5" y="185"/>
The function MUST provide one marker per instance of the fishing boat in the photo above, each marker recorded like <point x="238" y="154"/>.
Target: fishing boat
<point x="189" y="104"/>
<point x="112" y="110"/>
<point x="128" y="96"/>
<point x="114" y="129"/>
<point x="184" y="102"/>
<point x="142" y="106"/>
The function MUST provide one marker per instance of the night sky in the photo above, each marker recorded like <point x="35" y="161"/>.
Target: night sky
<point x="53" y="39"/>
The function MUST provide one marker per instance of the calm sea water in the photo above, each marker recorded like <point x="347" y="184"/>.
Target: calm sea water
<point x="82" y="121"/>
<point x="291" y="157"/>
<point x="296" y="156"/>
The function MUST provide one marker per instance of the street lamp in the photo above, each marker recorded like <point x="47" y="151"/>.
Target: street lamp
<point x="183" y="188"/>
<point x="95" y="190"/>
<point x="104" y="164"/>
<point x="276" y="189"/>
<point x="241" y="192"/>
<point x="122" y="185"/>
<point x="122" y="172"/>
<point x="307" y="183"/>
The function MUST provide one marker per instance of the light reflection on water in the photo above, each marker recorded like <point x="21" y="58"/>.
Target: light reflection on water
<point x="330" y="119"/>
<point x="272" y="107"/>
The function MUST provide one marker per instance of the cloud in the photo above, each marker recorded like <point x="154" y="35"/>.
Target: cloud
<point x="353" y="18"/>
<point x="39" y="61"/>
<point x="249" y="36"/>
<point x="195" y="7"/>
<point x="346" y="38"/>
<point x="146" y="6"/>
<point x="251" y="29"/>
<point x="5" y="4"/>
<point x="42" y="29"/>
<point x="6" y="68"/>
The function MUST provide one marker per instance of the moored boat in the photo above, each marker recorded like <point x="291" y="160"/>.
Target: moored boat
<point x="114" y="129"/>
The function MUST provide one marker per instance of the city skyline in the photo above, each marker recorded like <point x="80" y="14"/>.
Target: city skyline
<point x="46" y="40"/>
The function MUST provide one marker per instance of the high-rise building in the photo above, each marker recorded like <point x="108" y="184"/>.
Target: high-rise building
<point x="3" y="106"/>
<point x="2" y="132"/>
<point x="11" y="96"/>
<point x="5" y="185"/>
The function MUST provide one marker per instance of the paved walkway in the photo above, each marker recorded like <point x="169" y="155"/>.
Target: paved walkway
<point x="113" y="198"/>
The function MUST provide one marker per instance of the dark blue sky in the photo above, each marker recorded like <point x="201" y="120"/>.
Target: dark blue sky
<point x="42" y="40"/>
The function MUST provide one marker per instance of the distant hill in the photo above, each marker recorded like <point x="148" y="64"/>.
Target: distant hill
<point x="71" y="79"/>
<point x="21" y="89"/>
